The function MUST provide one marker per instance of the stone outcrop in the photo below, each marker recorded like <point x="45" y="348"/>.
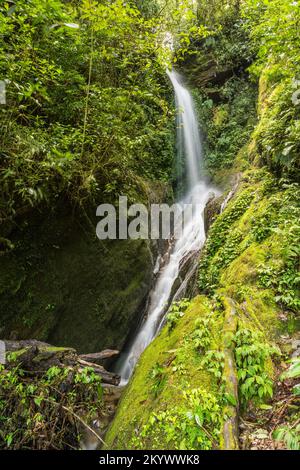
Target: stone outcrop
<point x="62" y="285"/>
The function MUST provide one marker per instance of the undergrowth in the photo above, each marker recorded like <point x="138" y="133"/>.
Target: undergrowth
<point x="194" y="425"/>
<point x="48" y="411"/>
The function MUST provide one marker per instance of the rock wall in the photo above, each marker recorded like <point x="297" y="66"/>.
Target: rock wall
<point x="59" y="283"/>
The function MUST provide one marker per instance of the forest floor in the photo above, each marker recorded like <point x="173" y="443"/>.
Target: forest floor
<point x="257" y="426"/>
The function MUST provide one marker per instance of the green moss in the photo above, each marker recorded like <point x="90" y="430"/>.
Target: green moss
<point x="223" y="240"/>
<point x="248" y="236"/>
<point x="260" y="308"/>
<point x="243" y="268"/>
<point x="276" y="137"/>
<point x="244" y="238"/>
<point x="181" y="363"/>
<point x="227" y="124"/>
<point x="64" y="286"/>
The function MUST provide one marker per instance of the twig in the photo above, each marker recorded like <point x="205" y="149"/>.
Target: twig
<point x="75" y="416"/>
<point x="84" y="424"/>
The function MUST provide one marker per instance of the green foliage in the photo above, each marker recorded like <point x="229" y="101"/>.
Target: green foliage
<point x="196" y="423"/>
<point x="294" y="370"/>
<point x="148" y="8"/>
<point x="205" y="339"/>
<point x="290" y="435"/>
<point x="227" y="42"/>
<point x="204" y="333"/>
<point x="284" y="279"/>
<point x="222" y="244"/>
<point x="46" y="412"/>
<point x="87" y="103"/>
<point x="252" y="353"/>
<point x="213" y="362"/>
<point x="176" y="312"/>
<point x="227" y="126"/>
<point x="201" y="336"/>
<point x="263" y="225"/>
<point x="277" y="135"/>
<point x="158" y="377"/>
<point x="274" y="30"/>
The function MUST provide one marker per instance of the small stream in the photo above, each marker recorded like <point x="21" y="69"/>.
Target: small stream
<point x="189" y="148"/>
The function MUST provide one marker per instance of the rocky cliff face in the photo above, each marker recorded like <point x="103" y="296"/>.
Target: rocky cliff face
<point x="60" y="283"/>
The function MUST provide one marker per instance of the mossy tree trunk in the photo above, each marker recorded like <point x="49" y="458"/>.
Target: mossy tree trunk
<point x="229" y="434"/>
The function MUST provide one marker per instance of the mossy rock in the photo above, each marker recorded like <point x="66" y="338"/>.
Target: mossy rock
<point x="64" y="286"/>
<point x="181" y="364"/>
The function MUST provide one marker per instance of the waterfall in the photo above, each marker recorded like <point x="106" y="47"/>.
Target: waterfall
<point x="193" y="236"/>
<point x="188" y="137"/>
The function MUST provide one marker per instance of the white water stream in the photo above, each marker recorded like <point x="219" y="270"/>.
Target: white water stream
<point x="193" y="236"/>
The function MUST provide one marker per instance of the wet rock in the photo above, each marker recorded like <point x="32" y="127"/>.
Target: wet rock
<point x="62" y="285"/>
<point x="185" y="280"/>
<point x="212" y="209"/>
<point x="100" y="357"/>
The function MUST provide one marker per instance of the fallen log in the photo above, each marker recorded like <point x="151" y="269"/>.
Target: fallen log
<point x="23" y="343"/>
<point x="99" y="357"/>
<point x="36" y="357"/>
<point x="230" y="434"/>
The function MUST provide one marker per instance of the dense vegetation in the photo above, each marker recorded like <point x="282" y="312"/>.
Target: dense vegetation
<point x="41" y="414"/>
<point x="89" y="116"/>
<point x="87" y="104"/>
<point x="248" y="273"/>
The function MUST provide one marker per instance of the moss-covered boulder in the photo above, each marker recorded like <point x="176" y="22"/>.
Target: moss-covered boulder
<point x="167" y="384"/>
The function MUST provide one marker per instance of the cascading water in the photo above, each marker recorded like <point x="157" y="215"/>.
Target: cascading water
<point x="188" y="137"/>
<point x="193" y="236"/>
